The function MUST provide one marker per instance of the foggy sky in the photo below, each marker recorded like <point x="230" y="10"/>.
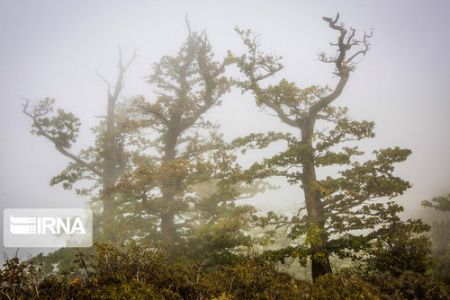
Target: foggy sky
<point x="54" y="49"/>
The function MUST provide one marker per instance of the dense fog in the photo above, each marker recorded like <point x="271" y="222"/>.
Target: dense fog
<point x="68" y="50"/>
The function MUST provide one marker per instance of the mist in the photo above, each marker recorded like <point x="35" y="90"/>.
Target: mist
<point x="58" y="49"/>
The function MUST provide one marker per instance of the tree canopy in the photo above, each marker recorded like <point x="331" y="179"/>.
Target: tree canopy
<point x="169" y="189"/>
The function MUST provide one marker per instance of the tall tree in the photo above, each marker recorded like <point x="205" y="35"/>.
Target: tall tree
<point x="102" y="164"/>
<point x="177" y="153"/>
<point x="338" y="208"/>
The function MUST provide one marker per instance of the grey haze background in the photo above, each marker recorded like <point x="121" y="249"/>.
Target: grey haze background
<point x="53" y="48"/>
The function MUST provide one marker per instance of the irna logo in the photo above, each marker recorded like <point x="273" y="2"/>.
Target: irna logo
<point x="46" y="225"/>
<point x="47" y="228"/>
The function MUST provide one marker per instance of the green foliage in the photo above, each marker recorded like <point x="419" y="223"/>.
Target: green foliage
<point x="221" y="231"/>
<point x="344" y="212"/>
<point x="409" y="285"/>
<point x="184" y="150"/>
<point x="344" y="285"/>
<point x="402" y="247"/>
<point x="142" y="272"/>
<point x="171" y="189"/>
<point x="17" y="279"/>
<point x="441" y="203"/>
<point x="440" y="235"/>
<point x="145" y="273"/>
<point x="61" y="127"/>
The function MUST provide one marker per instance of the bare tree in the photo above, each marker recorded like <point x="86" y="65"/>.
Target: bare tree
<point x="103" y="163"/>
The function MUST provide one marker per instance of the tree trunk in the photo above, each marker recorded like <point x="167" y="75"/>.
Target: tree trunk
<point x="316" y="218"/>
<point x="112" y="163"/>
<point x="168" y="230"/>
<point x="169" y="189"/>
